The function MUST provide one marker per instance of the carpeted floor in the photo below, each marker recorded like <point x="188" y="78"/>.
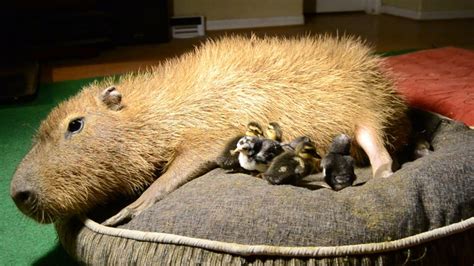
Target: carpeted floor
<point x="23" y="241"/>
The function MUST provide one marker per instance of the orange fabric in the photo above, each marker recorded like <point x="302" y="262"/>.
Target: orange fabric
<point x="438" y="80"/>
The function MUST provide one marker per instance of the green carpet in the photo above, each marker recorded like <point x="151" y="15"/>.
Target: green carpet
<point x="23" y="241"/>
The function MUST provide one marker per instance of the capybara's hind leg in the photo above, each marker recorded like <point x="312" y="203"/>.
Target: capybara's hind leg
<point x="372" y="144"/>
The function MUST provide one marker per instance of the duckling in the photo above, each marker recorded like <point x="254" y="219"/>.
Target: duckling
<point x="274" y="131"/>
<point x="254" y="129"/>
<point x="422" y="148"/>
<point x="247" y="149"/>
<point x="291" y="146"/>
<point x="227" y="159"/>
<point x="256" y="154"/>
<point x="269" y="150"/>
<point x="271" y="146"/>
<point x="338" y="164"/>
<point x="291" y="166"/>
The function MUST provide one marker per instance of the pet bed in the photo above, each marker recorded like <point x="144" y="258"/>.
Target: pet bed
<point x="423" y="214"/>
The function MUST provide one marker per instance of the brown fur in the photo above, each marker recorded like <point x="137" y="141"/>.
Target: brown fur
<point x="182" y="111"/>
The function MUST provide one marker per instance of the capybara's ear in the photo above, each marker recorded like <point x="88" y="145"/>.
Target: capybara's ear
<point x="112" y="98"/>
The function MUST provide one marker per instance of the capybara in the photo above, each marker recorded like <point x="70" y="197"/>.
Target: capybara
<point x="165" y="126"/>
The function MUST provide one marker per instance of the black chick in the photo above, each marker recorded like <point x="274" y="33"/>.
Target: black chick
<point x="291" y="166"/>
<point x="291" y="146"/>
<point x="422" y="148"/>
<point x="338" y="164"/>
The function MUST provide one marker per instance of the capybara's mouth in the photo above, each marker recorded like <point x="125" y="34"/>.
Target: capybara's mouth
<point x="35" y="212"/>
<point x="41" y="216"/>
<point x="29" y="202"/>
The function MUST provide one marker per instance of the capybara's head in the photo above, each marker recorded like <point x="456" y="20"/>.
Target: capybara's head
<point x="82" y="155"/>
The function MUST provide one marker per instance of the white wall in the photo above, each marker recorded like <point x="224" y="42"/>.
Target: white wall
<point x="225" y="14"/>
<point x="429" y="9"/>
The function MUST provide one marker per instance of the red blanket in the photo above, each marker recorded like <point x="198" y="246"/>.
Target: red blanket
<point x="438" y="80"/>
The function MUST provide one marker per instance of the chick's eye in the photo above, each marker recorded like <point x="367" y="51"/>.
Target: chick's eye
<point x="76" y="125"/>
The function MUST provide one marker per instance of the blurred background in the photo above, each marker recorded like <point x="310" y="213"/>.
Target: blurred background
<point x="64" y="40"/>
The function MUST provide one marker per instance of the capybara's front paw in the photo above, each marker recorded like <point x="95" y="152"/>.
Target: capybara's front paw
<point x="125" y="215"/>
<point x="129" y="212"/>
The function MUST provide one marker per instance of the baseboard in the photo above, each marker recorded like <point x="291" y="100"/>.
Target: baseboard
<point x="447" y="14"/>
<point x="401" y="12"/>
<point x="254" y="22"/>
<point x="427" y="15"/>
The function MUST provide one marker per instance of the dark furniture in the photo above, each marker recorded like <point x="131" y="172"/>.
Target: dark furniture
<point x="37" y="31"/>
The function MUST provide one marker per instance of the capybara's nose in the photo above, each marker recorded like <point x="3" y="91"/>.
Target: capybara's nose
<point x="23" y="196"/>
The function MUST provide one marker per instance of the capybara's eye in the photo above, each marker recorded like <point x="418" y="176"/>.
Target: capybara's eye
<point x="76" y="125"/>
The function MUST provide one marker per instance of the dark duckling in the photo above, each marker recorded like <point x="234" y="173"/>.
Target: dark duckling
<point x="291" y="146"/>
<point x="338" y="164"/>
<point x="291" y="166"/>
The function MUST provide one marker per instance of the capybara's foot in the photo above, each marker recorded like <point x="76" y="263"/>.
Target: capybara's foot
<point x="372" y="144"/>
<point x="122" y="217"/>
<point x="384" y="171"/>
<point x="128" y="213"/>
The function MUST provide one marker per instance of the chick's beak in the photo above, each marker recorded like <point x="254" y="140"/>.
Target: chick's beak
<point x="241" y="148"/>
<point x="236" y="150"/>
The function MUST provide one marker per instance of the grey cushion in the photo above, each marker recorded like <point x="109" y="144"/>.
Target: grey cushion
<point x="429" y="193"/>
